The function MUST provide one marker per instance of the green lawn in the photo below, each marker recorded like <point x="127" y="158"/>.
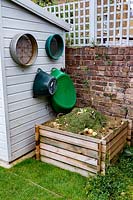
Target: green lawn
<point x="34" y="180"/>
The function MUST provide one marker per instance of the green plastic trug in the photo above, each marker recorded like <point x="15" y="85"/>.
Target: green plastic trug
<point x="44" y="84"/>
<point x="64" y="98"/>
<point x="54" y="46"/>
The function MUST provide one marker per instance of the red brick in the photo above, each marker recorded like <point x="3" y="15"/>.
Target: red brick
<point x="131" y="52"/>
<point x="97" y="88"/>
<point x="121" y="51"/>
<point x="100" y="83"/>
<point x="112" y="51"/>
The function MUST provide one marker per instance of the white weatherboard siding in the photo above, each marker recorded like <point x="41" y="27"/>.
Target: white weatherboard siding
<point x="23" y="110"/>
<point x="3" y="136"/>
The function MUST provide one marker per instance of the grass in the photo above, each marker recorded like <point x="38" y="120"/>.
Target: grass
<point x="34" y="180"/>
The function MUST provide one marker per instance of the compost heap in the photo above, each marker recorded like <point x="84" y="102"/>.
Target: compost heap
<point x="86" y="121"/>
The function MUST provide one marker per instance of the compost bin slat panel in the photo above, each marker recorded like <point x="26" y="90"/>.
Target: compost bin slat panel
<point x="116" y="140"/>
<point x="113" y="148"/>
<point x="66" y="166"/>
<point x="70" y="154"/>
<point x="90" y="139"/>
<point x="59" y="147"/>
<point x="118" y="149"/>
<point x="70" y="147"/>
<point x="68" y="139"/>
<point x="109" y="137"/>
<point x="122" y="140"/>
<point x="67" y="160"/>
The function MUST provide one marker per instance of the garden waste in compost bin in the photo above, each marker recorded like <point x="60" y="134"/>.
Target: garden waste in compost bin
<point x="86" y="121"/>
<point x="64" y="98"/>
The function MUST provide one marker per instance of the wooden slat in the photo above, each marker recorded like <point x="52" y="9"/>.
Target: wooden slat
<point x="117" y="150"/>
<point x="106" y="147"/>
<point x="66" y="166"/>
<point x="117" y="144"/>
<point x="87" y="138"/>
<point x="67" y="160"/>
<point x="99" y="157"/>
<point x="103" y="167"/>
<point x="70" y="147"/>
<point x="37" y="139"/>
<point x="109" y="137"/>
<point x="69" y="154"/>
<point x="69" y="139"/>
<point x="114" y="140"/>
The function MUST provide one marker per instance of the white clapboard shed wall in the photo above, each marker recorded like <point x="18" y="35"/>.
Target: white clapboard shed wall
<point x="19" y="111"/>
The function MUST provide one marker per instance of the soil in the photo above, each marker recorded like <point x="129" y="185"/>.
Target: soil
<point x="86" y="121"/>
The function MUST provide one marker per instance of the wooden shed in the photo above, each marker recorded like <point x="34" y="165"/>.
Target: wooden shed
<point x="19" y="111"/>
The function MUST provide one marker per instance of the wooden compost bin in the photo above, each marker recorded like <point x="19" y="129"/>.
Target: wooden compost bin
<point x="78" y="153"/>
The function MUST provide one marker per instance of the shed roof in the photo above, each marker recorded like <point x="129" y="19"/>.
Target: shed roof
<point x="43" y="13"/>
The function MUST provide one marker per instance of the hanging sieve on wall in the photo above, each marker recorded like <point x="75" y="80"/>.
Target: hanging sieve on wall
<point x="54" y="46"/>
<point x="24" y="49"/>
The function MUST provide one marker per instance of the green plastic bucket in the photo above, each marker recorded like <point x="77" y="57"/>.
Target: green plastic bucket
<point x="44" y="84"/>
<point x="64" y="98"/>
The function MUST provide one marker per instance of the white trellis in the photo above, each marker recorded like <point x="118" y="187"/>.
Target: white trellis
<point x="100" y="22"/>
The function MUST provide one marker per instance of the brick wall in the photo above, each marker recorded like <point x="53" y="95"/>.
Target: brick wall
<point x="103" y="78"/>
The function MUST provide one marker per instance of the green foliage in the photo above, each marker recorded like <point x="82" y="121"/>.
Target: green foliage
<point x="44" y="3"/>
<point x="117" y="184"/>
<point x="81" y="118"/>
